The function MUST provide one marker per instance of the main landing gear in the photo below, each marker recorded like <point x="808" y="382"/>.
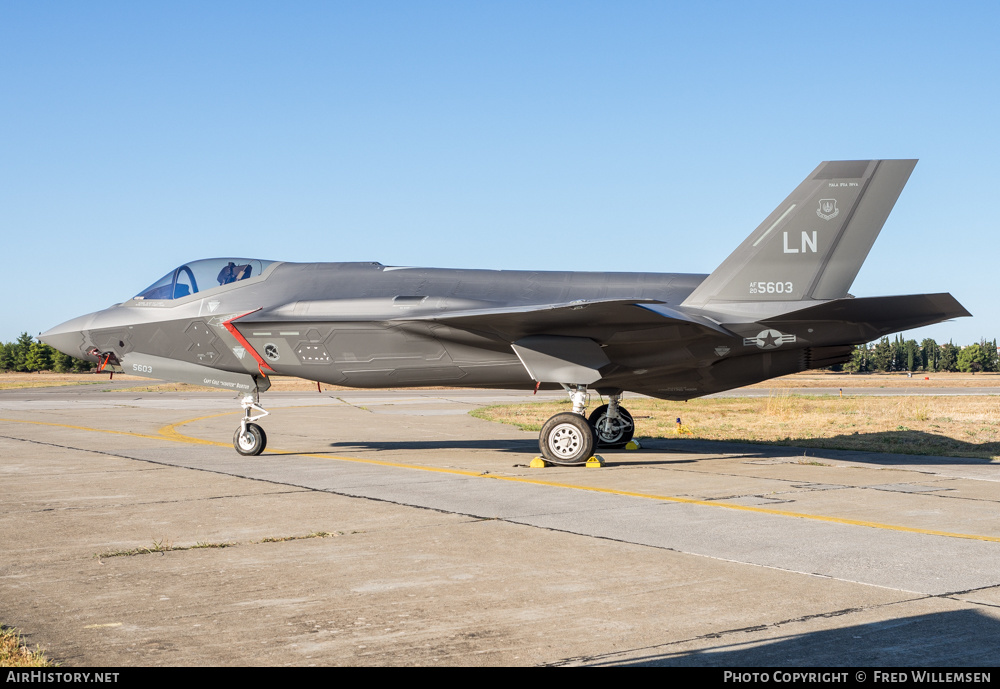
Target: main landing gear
<point x="250" y="438"/>
<point x="612" y="424"/>
<point x="570" y="438"/>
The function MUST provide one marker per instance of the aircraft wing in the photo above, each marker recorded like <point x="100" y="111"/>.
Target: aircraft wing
<point x="585" y="318"/>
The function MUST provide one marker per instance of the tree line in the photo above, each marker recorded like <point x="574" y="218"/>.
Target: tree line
<point x="885" y="355"/>
<point x="907" y="355"/>
<point x="28" y="355"/>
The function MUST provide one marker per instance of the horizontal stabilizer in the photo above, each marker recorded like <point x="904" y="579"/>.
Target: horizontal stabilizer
<point x="881" y="314"/>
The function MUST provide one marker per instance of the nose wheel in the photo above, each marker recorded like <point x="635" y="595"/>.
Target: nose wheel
<point x="250" y="442"/>
<point x="250" y="439"/>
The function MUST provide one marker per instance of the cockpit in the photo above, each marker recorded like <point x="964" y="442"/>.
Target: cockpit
<point x="201" y="276"/>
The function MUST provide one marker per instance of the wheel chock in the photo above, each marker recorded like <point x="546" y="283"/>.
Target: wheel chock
<point x="633" y="445"/>
<point x="538" y="463"/>
<point x="595" y="461"/>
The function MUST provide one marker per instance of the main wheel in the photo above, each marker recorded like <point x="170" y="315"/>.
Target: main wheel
<point x="252" y="442"/>
<point x="612" y="432"/>
<point x="566" y="438"/>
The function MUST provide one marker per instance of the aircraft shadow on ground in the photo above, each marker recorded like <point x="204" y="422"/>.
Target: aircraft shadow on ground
<point x="959" y="638"/>
<point x="886" y="448"/>
<point x="494" y="445"/>
<point x="526" y="448"/>
<point x="889" y="448"/>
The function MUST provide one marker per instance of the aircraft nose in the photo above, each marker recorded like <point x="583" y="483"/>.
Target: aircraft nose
<point x="68" y="337"/>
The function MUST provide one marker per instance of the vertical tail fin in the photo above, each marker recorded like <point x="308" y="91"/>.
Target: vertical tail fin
<point x="813" y="244"/>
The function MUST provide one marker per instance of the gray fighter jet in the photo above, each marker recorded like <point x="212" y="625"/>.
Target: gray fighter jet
<point x="777" y="305"/>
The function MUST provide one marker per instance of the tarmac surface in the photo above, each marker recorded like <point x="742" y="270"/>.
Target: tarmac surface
<point x="439" y="546"/>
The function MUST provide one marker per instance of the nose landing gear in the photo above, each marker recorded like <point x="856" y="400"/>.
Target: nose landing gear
<point x="250" y="439"/>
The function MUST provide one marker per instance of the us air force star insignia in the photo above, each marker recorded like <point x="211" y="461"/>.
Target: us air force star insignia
<point x="828" y="209"/>
<point x="768" y="339"/>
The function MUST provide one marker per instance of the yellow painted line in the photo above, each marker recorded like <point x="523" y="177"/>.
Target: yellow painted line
<point x="170" y="432"/>
<point x="84" y="428"/>
<point x="172" y="429"/>
<point x="103" y="626"/>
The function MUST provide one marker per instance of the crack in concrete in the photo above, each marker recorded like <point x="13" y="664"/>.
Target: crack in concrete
<point x="605" y="658"/>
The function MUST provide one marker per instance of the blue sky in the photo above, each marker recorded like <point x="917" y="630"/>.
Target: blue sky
<point x="646" y="136"/>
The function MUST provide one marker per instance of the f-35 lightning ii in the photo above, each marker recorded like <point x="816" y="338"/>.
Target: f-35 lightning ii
<point x="777" y="305"/>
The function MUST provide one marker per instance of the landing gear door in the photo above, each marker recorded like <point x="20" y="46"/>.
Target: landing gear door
<point x="555" y="359"/>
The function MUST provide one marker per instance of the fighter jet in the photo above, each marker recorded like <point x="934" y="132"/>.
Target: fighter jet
<point x="778" y="304"/>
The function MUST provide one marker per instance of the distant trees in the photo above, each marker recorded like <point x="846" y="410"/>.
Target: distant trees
<point x="39" y="357"/>
<point x="27" y="355"/>
<point x="978" y="357"/>
<point x="930" y="354"/>
<point x="887" y="355"/>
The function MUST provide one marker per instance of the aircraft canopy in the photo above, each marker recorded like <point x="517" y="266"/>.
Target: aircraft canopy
<point x="201" y="276"/>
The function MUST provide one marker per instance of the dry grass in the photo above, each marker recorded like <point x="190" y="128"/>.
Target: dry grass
<point x="14" y="653"/>
<point x="52" y="378"/>
<point x="829" y="379"/>
<point x="314" y="534"/>
<point x="924" y="425"/>
<point x="28" y="384"/>
<point x="46" y="379"/>
<point x="165" y="546"/>
<point x="808" y="379"/>
<point x="161" y="546"/>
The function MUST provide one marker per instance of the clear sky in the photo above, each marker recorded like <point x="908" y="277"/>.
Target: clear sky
<point x="610" y="136"/>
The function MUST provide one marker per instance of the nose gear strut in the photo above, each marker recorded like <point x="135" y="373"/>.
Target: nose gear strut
<point x="250" y="439"/>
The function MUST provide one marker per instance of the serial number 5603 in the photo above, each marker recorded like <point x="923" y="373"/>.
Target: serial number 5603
<point x="770" y="288"/>
<point x="142" y="368"/>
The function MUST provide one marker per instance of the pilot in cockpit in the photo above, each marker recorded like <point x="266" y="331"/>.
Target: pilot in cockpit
<point x="233" y="273"/>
